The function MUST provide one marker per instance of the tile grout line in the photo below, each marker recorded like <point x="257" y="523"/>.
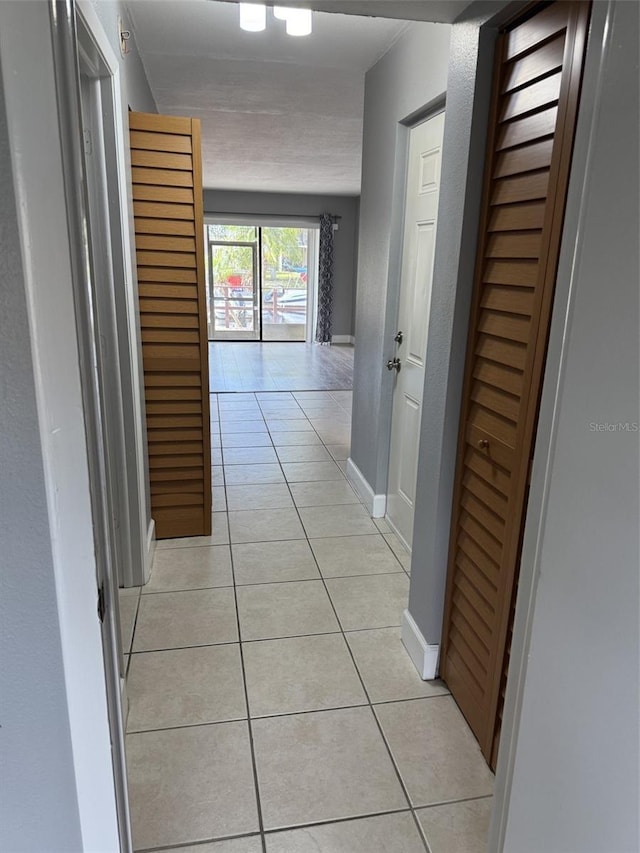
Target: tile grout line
<point x="364" y="704"/>
<point x="365" y="691"/>
<point x="343" y="634"/>
<point x="254" y="765"/>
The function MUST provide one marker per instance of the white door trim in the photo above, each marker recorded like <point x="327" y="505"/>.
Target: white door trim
<point x="142" y="528"/>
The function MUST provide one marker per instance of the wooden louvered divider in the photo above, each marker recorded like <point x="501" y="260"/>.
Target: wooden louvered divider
<point x="167" y="201"/>
<point x="536" y="90"/>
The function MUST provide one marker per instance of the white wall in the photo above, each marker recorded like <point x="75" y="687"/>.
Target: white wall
<point x="575" y="759"/>
<point x="59" y="717"/>
<point x="35" y="743"/>
<point x="411" y="75"/>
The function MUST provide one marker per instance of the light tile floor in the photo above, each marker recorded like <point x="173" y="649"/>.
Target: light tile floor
<point x="273" y="708"/>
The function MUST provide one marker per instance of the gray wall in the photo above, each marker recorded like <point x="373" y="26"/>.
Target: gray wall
<point x="35" y="743"/>
<point x="136" y="92"/>
<point x="412" y="75"/>
<point x="574" y="787"/>
<point x="468" y="96"/>
<point x="284" y="204"/>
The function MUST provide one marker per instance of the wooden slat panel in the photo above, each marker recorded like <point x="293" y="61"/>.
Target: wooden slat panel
<point x="471" y="628"/>
<point x="180" y="393"/>
<point x="518" y="273"/>
<point x="168" y="487"/>
<point x="486" y="566"/>
<point x="492" y="424"/>
<point x="534" y="108"/>
<point x="545" y="60"/>
<point x="174" y="421"/>
<point x="170" y="336"/>
<point x="521" y="188"/>
<point x="527" y="129"/>
<point x="470" y="647"/>
<point x="172" y="195"/>
<point x="162" y="177"/>
<point x="482" y="434"/>
<point x="182" y="499"/>
<point x="544" y="93"/>
<point x="183" y="379"/>
<point x="174" y="448"/>
<point x="170" y="364"/>
<point x="484" y="610"/>
<point x="176" y="125"/>
<point x="510" y="353"/>
<point x="499" y="376"/>
<point x="167" y="274"/>
<point x="165" y="243"/>
<point x="466" y="687"/>
<point x="478" y="580"/>
<point x="471" y="616"/>
<point x="496" y="400"/>
<point x="171" y="407"/>
<point x="548" y="22"/>
<point x="157" y="210"/>
<point x="176" y="461"/>
<point x="171" y="352"/>
<point x="484" y="492"/>
<point x="525" y="216"/>
<point x="516" y="244"/>
<point x="174" y="227"/>
<point x="485" y="469"/>
<point x="527" y="158"/>
<point x="488" y="519"/>
<point x="174" y="435"/>
<point x="160" y="142"/>
<point x="508" y="326"/>
<point x="515" y="300"/>
<point x="167" y="291"/>
<point x="168" y="320"/>
<point x="161" y="160"/>
<point x="168" y="306"/>
<point x="174" y="475"/>
<point x="184" y="260"/>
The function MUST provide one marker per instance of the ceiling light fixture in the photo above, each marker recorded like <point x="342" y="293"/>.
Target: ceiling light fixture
<point x="253" y="17"/>
<point x="298" y="22"/>
<point x="280" y="12"/>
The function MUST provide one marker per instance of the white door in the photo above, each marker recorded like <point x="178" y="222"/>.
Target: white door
<point x="421" y="210"/>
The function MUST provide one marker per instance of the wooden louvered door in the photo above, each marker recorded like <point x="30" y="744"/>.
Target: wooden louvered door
<point x="537" y="79"/>
<point x="167" y="202"/>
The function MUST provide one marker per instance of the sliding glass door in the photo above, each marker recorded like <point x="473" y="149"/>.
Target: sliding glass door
<point x="285" y="282"/>
<point x="258" y="285"/>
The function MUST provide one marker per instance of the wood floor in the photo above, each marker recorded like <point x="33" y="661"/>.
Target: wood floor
<point x="271" y="366"/>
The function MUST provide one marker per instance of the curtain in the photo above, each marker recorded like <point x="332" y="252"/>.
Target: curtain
<point x="325" y="280"/>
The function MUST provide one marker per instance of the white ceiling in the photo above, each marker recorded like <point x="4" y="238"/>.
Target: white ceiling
<point x="279" y="114"/>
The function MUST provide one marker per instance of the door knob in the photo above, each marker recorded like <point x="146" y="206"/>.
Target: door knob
<point x="394" y="364"/>
<point x="483" y="444"/>
<point x="399" y="338"/>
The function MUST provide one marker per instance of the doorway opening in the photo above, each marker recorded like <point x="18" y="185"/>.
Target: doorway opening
<point x="260" y="281"/>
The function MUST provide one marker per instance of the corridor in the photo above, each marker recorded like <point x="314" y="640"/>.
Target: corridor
<point x="271" y="699"/>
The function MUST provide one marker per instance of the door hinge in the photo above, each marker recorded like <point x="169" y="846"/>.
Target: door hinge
<point x="102" y="604"/>
<point x="88" y="142"/>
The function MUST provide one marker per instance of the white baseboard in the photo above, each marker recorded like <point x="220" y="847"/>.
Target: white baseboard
<point x="376" y="504"/>
<point x="398" y="534"/>
<point x="424" y="656"/>
<point x="343" y="339"/>
<point x="151" y="549"/>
